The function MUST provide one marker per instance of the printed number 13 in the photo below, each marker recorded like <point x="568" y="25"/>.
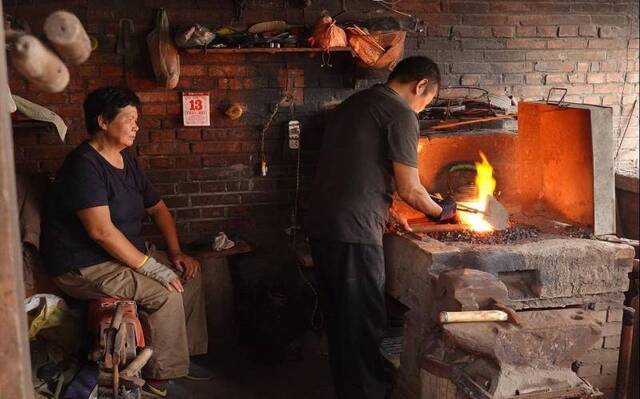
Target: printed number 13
<point x="196" y="105"/>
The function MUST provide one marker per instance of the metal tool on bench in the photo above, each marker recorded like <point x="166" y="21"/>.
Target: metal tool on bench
<point x="527" y="356"/>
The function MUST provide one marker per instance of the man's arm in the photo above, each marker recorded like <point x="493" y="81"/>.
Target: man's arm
<point x="412" y="191"/>
<point x="167" y="226"/>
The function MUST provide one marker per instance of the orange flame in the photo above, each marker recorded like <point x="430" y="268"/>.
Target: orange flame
<point x="485" y="185"/>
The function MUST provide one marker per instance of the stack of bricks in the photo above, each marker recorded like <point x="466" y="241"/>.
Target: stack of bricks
<point x="599" y="365"/>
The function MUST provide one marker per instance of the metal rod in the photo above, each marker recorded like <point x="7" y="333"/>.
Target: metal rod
<point x="471" y="122"/>
<point x="626" y="344"/>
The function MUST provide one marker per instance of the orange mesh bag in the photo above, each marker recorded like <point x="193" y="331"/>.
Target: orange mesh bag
<point x="326" y="34"/>
<point x="377" y="50"/>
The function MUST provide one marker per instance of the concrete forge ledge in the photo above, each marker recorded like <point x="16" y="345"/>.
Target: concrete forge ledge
<point x="546" y="269"/>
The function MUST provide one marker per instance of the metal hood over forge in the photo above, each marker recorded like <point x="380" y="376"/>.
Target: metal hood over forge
<point x="560" y="163"/>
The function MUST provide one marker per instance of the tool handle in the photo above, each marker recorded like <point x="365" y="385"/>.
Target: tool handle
<point x="138" y="363"/>
<point x="459" y="207"/>
<point x="473" y="316"/>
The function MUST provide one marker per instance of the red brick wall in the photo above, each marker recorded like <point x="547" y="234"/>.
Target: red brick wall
<point x="206" y="174"/>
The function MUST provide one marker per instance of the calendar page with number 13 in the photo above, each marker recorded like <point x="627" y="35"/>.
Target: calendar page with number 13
<point x="195" y="109"/>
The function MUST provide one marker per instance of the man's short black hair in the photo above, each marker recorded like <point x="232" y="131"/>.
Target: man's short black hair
<point x="416" y="68"/>
<point x="107" y="101"/>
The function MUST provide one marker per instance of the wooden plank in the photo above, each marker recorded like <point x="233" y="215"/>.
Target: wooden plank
<point x="15" y="368"/>
<point x="241" y="247"/>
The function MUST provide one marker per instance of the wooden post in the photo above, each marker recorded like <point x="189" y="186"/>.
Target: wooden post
<point x="15" y="365"/>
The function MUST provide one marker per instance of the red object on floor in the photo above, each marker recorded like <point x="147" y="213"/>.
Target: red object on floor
<point x="101" y="311"/>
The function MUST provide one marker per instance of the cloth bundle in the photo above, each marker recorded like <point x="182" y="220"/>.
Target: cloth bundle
<point x="326" y="34"/>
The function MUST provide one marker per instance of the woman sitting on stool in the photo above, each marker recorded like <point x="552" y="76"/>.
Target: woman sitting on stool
<point x="93" y="243"/>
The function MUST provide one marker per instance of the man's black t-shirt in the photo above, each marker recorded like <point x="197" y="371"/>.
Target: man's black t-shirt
<point x="353" y="187"/>
<point x="87" y="180"/>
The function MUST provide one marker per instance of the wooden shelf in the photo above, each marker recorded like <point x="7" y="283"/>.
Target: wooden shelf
<point x="30" y="123"/>
<point x="268" y="50"/>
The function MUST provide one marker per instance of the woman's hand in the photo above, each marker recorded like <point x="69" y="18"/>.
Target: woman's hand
<point x="187" y="265"/>
<point x="174" y="285"/>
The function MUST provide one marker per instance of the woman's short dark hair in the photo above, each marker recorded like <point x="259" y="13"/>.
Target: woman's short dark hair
<point x="107" y="101"/>
<point x="416" y="68"/>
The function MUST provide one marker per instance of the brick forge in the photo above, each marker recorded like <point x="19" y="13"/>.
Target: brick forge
<point x="554" y="280"/>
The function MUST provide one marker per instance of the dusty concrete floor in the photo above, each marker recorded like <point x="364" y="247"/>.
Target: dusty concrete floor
<point x="236" y="377"/>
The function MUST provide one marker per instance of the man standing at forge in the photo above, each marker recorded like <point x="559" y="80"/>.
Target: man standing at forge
<point x="370" y="141"/>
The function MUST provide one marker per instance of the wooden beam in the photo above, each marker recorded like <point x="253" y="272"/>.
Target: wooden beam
<point x="15" y="364"/>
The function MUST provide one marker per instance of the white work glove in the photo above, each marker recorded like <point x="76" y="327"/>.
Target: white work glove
<point x="157" y="271"/>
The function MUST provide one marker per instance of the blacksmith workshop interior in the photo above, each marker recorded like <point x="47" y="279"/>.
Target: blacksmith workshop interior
<point x="319" y="199"/>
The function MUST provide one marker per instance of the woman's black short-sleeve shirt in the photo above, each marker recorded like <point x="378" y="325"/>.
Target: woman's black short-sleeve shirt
<point x="87" y="180"/>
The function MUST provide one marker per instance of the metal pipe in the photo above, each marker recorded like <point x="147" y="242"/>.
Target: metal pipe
<point x="626" y="344"/>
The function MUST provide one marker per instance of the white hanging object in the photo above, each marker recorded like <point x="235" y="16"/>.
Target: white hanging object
<point x="39" y="65"/>
<point x="40" y="113"/>
<point x="65" y="31"/>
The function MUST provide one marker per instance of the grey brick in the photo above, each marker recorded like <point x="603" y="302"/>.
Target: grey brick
<point x="577" y="78"/>
<point x="504" y="31"/>
<point x="554" y="66"/>
<point x="547" y="55"/>
<point x="608" y="32"/>
<point x="468" y="67"/>
<point x="583" y="66"/>
<point x="611" y="342"/>
<point x="610" y="328"/>
<point x="597" y="78"/>
<point x="483" y="43"/>
<point x="567" y="43"/>
<point x="504" y="55"/>
<point x="608" y="43"/>
<point x="587" y="370"/>
<point x="526" y="31"/>
<point x="513" y="79"/>
<point x="473" y="31"/>
<point x="588" y="30"/>
<point x="568" y="31"/>
<point x="533" y="78"/>
<point x="513" y="67"/>
<point x="600" y="356"/>
<point x="610" y="368"/>
<point x="547" y="31"/>
<point x="555" y="78"/>
<point x="526" y="43"/>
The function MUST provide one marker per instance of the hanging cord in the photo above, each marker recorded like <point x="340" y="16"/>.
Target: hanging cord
<point x="315" y="314"/>
<point x="633" y="108"/>
<point x="389" y="5"/>
<point x="287" y="97"/>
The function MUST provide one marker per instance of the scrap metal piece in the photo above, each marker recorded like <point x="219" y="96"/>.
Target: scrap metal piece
<point x="559" y="103"/>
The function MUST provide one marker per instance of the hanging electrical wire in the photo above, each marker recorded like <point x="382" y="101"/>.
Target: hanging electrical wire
<point x="389" y="5"/>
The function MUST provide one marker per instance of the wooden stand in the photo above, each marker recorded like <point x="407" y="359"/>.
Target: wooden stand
<point x="218" y="291"/>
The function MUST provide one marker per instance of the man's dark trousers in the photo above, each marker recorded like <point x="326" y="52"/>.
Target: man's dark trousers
<point x="351" y="281"/>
